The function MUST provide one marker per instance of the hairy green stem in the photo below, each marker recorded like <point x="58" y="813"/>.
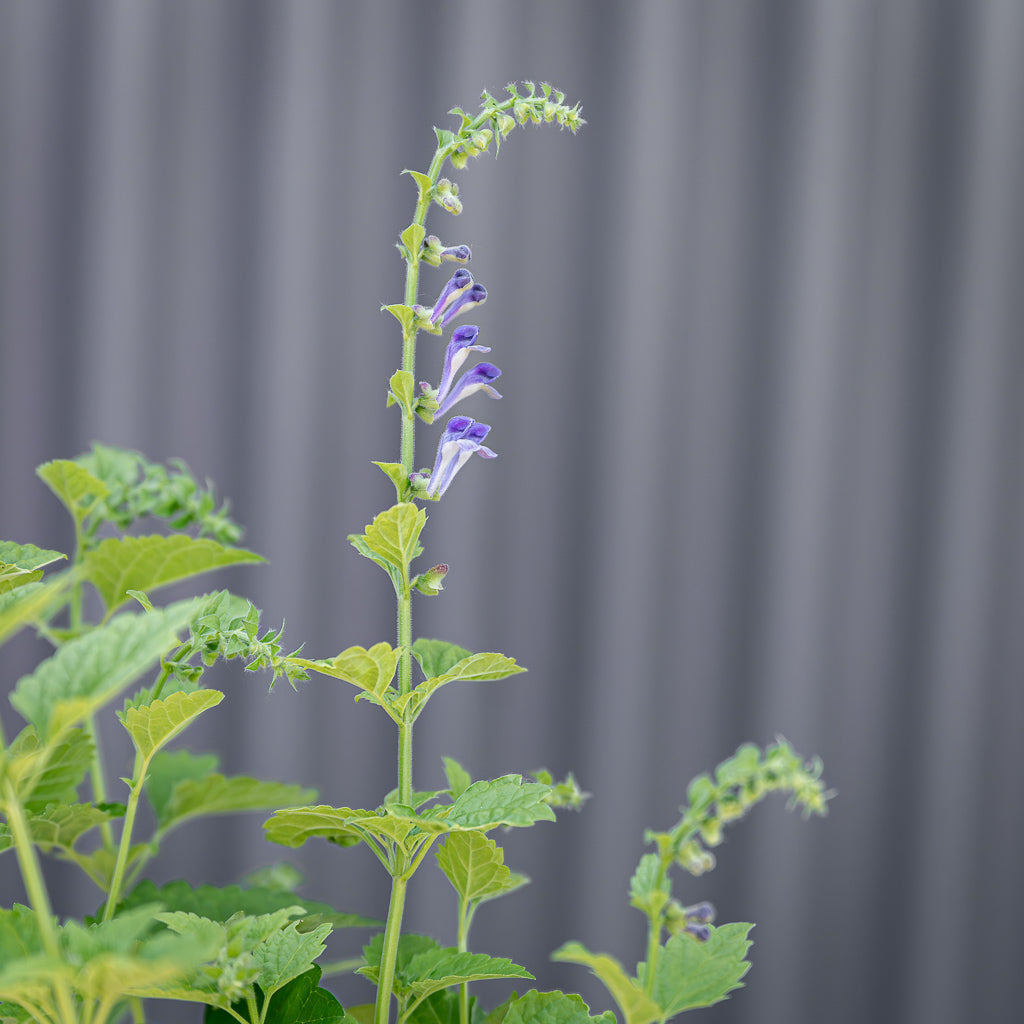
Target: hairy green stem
<point x="38" y="897"/>
<point x="126" y="839"/>
<point x="98" y="779"/>
<point x="389" y="954"/>
<point x="462" y="940"/>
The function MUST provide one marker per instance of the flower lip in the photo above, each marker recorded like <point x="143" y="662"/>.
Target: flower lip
<point x="464" y="301"/>
<point x="461" y="438"/>
<point x="477" y="379"/>
<point x="463" y="341"/>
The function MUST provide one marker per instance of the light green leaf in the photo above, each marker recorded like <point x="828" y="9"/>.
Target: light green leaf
<point x="423" y="182"/>
<point x="59" y="825"/>
<point x="691" y="973"/>
<point x="437" y="656"/>
<point x="29" y="603"/>
<point x="156" y="724"/>
<point x="403" y="391"/>
<point x="76" y="487"/>
<point x="47" y="774"/>
<point x="87" y="672"/>
<point x="636" y="1006"/>
<point x="438" y="969"/>
<point x="394" y="534"/>
<point x="19" y="934"/>
<point x="217" y="794"/>
<point x="371" y="670"/>
<point x="166" y="770"/>
<point x="405" y="315"/>
<point x="459" y="780"/>
<point x="475" y="865"/>
<point x="546" y="1008"/>
<point x="99" y="865"/>
<point x="23" y="563"/>
<point x="286" y="954"/>
<point x="412" y="238"/>
<point x="506" y="801"/>
<point x="358" y="541"/>
<point x="396" y="473"/>
<point x="120" y="564"/>
<point x="650" y="887"/>
<point x="293" y="826"/>
<point x="220" y="904"/>
<point x="477" y="667"/>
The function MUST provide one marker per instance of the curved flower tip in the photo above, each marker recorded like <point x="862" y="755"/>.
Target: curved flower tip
<point x="457" y="253"/>
<point x="477" y="379"/>
<point x="457" y="285"/>
<point x="463" y="341"/>
<point x="461" y="438"/>
<point x="465" y="301"/>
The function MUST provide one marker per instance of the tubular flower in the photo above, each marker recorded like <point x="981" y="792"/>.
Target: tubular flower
<point x="457" y="285"/>
<point x="464" y="302"/>
<point x="463" y="341"/>
<point x="477" y="379"/>
<point x="461" y="438"/>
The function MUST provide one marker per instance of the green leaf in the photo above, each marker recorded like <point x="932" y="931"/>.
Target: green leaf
<point x="293" y="826"/>
<point x="412" y="238"/>
<point x="436" y="969"/>
<point x="217" y="794"/>
<point x="19" y="934"/>
<point x="546" y="1008"/>
<point x="23" y="563"/>
<point x="636" y="1006"/>
<point x="396" y="473"/>
<point x="156" y="724"/>
<point x="459" y="780"/>
<point x="436" y="657"/>
<point x="220" y="904"/>
<point x="358" y="541"/>
<point x="87" y="672"/>
<point x="120" y="564"/>
<point x="29" y="603"/>
<point x="166" y="770"/>
<point x="302" y="1001"/>
<point x="286" y="954"/>
<point x="423" y="182"/>
<point x="59" y="825"/>
<point x="47" y="774"/>
<point x="438" y="1008"/>
<point x="370" y="670"/>
<point x="476" y="667"/>
<point x="403" y="314"/>
<point x="650" y="887"/>
<point x="403" y="391"/>
<point x="506" y="801"/>
<point x="76" y="487"/>
<point x="394" y="534"/>
<point x="475" y="865"/>
<point x="691" y="973"/>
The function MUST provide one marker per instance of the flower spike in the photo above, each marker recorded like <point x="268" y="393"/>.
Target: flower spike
<point x="477" y="379"/>
<point x="465" y="301"/>
<point x="459" y="283"/>
<point x="461" y="438"/>
<point x="463" y="341"/>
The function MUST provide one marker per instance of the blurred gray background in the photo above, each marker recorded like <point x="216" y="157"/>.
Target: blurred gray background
<point x="760" y="446"/>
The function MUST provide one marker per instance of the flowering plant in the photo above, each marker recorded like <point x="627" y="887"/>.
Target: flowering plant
<point x="249" y="952"/>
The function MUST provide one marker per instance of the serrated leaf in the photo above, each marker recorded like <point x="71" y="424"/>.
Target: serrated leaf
<point x="293" y="826"/>
<point x="23" y="563"/>
<point x="371" y="670"/>
<point x="636" y="1006"/>
<point x="358" y="541"/>
<point x="99" y="865"/>
<point x="47" y="774"/>
<point x="437" y="1008"/>
<point x="120" y="564"/>
<point x="394" y="534"/>
<point x="286" y="954"/>
<point x="649" y="888"/>
<point x="403" y="390"/>
<point x="19" y="934"/>
<point x="220" y="904"/>
<point x="691" y="973"/>
<point x="505" y="801"/>
<point x="546" y="1008"/>
<point x="59" y="825"/>
<point x="437" y="656"/>
<point x="459" y="780"/>
<point x="410" y="945"/>
<point x="87" y="672"/>
<point x="475" y="668"/>
<point x="75" y="486"/>
<point x="166" y="770"/>
<point x="412" y="238"/>
<point x="475" y="865"/>
<point x="30" y="603"/>
<point x="437" y="969"/>
<point x="156" y="724"/>
<point x="217" y="794"/>
<point x="302" y="1001"/>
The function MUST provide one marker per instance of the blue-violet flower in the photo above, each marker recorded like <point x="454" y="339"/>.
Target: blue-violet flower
<point x="459" y="283"/>
<point x="477" y="379"/>
<point x="461" y="438"/>
<point x="463" y="341"/>
<point x="465" y="301"/>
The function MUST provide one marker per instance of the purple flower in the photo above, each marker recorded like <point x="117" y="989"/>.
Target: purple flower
<point x="463" y="341"/>
<point x="701" y="932"/>
<point x="477" y="379"/>
<point x="466" y="300"/>
<point x="461" y="438"/>
<point x="459" y="283"/>
<point x="457" y="253"/>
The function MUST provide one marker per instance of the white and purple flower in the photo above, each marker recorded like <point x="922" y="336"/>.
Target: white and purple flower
<point x="461" y="438"/>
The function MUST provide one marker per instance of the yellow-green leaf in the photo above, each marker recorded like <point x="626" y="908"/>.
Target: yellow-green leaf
<point x="636" y="1006"/>
<point x="156" y="724"/>
<point x="76" y="487"/>
<point x="394" y="535"/>
<point x="371" y="670"/>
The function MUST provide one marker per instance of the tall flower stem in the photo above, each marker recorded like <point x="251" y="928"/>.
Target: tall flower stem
<point x="389" y="954"/>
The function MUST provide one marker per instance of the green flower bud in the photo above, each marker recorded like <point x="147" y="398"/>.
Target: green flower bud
<point x="505" y="123"/>
<point x="458" y="159"/>
<point x="430" y="582"/>
<point x="711" y="831"/>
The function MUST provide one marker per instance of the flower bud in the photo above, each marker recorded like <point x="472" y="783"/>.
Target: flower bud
<point x="430" y="582"/>
<point x="700" y="913"/>
<point x="701" y="932"/>
<point x="505" y="123"/>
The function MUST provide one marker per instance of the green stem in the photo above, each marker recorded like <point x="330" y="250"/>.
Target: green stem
<point x="389" y="954"/>
<point x="653" y="949"/>
<point x="98" y="779"/>
<point x="126" y="838"/>
<point x="38" y="897"/>
<point x="462" y="940"/>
